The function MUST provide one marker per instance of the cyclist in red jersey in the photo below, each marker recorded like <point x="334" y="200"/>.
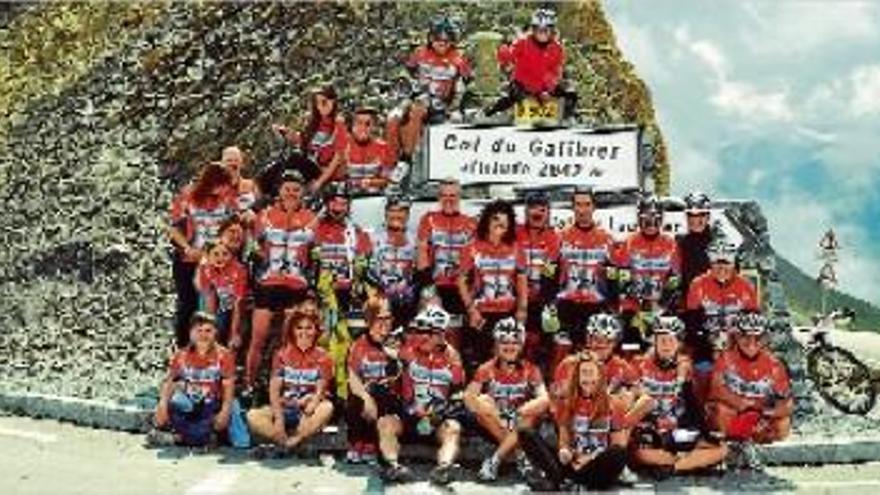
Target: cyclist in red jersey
<point x="712" y="299"/>
<point x="246" y="190"/>
<point x="285" y="233"/>
<point x="506" y="391"/>
<point x="591" y="444"/>
<point x="750" y="392"/>
<point x="364" y="161"/>
<point x="585" y="260"/>
<point x="341" y="247"/>
<point x="650" y="262"/>
<point x="442" y="234"/>
<point x="323" y="133"/>
<point x="540" y="243"/>
<point x="372" y="382"/>
<point x="223" y="284"/>
<point x="196" y="214"/>
<point x="393" y="260"/>
<point x="491" y="281"/>
<point x="670" y="436"/>
<point x="535" y="61"/>
<point x="195" y="400"/>
<point x="441" y="71"/>
<point x="432" y="375"/>
<point x="302" y="375"/>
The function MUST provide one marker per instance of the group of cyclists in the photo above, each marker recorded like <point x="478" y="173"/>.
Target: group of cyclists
<point x="648" y="353"/>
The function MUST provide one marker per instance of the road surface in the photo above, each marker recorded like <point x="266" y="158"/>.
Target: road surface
<point x="40" y="456"/>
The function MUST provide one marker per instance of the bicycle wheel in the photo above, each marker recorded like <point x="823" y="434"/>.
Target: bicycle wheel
<point x="842" y="379"/>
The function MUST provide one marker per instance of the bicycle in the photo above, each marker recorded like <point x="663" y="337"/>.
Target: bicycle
<point x="842" y="380"/>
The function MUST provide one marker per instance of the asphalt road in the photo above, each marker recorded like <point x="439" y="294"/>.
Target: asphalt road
<point x="39" y="456"/>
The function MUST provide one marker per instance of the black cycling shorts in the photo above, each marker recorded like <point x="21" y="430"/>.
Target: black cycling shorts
<point x="277" y="298"/>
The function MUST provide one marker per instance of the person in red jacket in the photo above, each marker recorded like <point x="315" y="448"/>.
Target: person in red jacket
<point x="440" y="71"/>
<point x="506" y="391"/>
<point x="535" y="61"/>
<point x="712" y="299"/>
<point x="365" y="161"/>
<point x="285" y="233"/>
<point x="649" y="260"/>
<point x="540" y="244"/>
<point x="441" y="236"/>
<point x="302" y="376"/>
<point x="491" y="281"/>
<point x="195" y="400"/>
<point x="750" y="396"/>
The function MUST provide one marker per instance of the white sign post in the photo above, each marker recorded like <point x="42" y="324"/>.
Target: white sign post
<point x="605" y="159"/>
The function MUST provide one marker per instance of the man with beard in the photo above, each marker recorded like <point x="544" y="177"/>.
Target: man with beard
<point x="540" y="242"/>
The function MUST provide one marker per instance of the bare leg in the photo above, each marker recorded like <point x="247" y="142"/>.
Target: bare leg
<point x="448" y="435"/>
<point x="776" y="430"/>
<point x="390" y="428"/>
<point x="261" y="423"/>
<point x="262" y="318"/>
<point x="411" y="132"/>
<point x="309" y="425"/>
<point x="487" y="415"/>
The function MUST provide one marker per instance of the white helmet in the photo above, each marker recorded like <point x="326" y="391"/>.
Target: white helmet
<point x="544" y="18"/>
<point x="431" y="317"/>
<point x="750" y="324"/>
<point x="720" y="250"/>
<point x="697" y="202"/>
<point x="603" y="325"/>
<point x="668" y="324"/>
<point x="509" y="330"/>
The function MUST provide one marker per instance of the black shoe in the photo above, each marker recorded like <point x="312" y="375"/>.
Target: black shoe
<point x="442" y="475"/>
<point x="537" y="482"/>
<point x="396" y="473"/>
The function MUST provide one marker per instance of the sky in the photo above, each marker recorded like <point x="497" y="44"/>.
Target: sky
<point x="773" y="100"/>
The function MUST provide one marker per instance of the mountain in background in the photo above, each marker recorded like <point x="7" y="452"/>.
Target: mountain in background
<point x="804" y="296"/>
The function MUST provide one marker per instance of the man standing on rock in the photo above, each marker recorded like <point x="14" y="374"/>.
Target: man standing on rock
<point x="693" y="244"/>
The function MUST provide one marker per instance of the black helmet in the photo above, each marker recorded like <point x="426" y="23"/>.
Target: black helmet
<point x="397" y="201"/>
<point x="443" y="27"/>
<point x="537" y="198"/>
<point x="650" y="206"/>
<point x="336" y="189"/>
<point x="697" y="203"/>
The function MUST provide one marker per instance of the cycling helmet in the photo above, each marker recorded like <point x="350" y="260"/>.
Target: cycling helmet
<point x="603" y="325"/>
<point x="720" y="251"/>
<point x="668" y="324"/>
<point x="509" y="330"/>
<point x="750" y="324"/>
<point x="443" y="28"/>
<point x="433" y="317"/>
<point x="292" y="175"/>
<point x="544" y="18"/>
<point x="650" y="206"/>
<point x="697" y="203"/>
<point x="397" y="201"/>
<point x="336" y="189"/>
<point x="537" y="198"/>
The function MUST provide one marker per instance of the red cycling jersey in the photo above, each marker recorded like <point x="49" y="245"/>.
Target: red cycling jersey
<point x="584" y="257"/>
<point x="509" y="388"/>
<point x="665" y="387"/>
<point x="366" y="161"/>
<point x="339" y="244"/>
<point x="446" y="236"/>
<point x="652" y="261"/>
<point x="591" y="435"/>
<point x="367" y="360"/>
<point x="285" y="239"/>
<point x="330" y="135"/>
<point x="494" y="269"/>
<point x="760" y="381"/>
<point x="428" y="376"/>
<point x="537" y="68"/>
<point x="247" y="195"/>
<point x="228" y="283"/>
<point x="392" y="263"/>
<point x="302" y="373"/>
<point x="203" y="374"/>
<point x="541" y="248"/>
<point x="716" y="299"/>
<point x="439" y="73"/>
<point x="201" y="220"/>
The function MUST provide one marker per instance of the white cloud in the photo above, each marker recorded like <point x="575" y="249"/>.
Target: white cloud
<point x="866" y="90"/>
<point x="745" y="100"/>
